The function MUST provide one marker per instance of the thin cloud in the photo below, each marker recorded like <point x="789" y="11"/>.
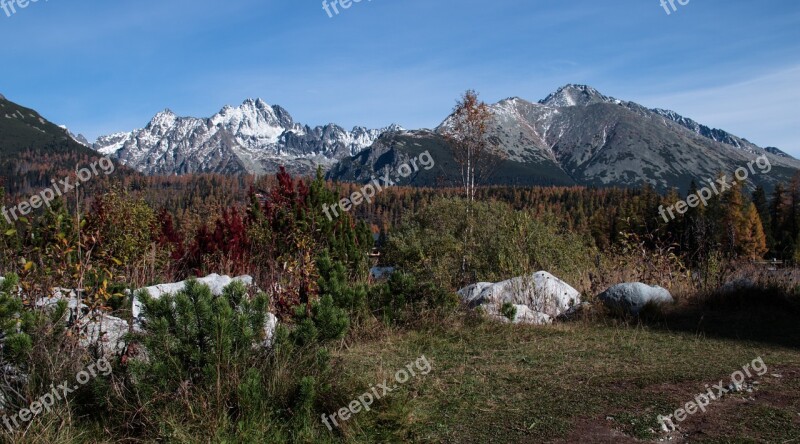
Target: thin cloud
<point x="762" y="109"/>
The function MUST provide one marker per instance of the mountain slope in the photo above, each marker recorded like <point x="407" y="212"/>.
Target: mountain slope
<point x="579" y="136"/>
<point x="393" y="149"/>
<point x="34" y="150"/>
<point x="22" y="128"/>
<point x="252" y="138"/>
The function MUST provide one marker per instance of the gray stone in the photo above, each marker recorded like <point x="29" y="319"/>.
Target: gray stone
<point x="470" y="295"/>
<point x="104" y="331"/>
<point x="633" y="297"/>
<point x="380" y="273"/>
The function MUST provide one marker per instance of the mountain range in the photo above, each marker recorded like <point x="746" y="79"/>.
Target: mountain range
<point x="574" y="136"/>
<point x="253" y="138"/>
<point x="578" y="136"/>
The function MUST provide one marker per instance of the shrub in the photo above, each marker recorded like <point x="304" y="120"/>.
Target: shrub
<point x="33" y="348"/>
<point x="326" y="322"/>
<point x="14" y="341"/>
<point x="204" y="376"/>
<point x="333" y="281"/>
<point x="504" y="242"/>
<point x="196" y="336"/>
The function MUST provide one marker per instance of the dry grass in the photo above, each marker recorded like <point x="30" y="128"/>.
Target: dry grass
<point x="601" y="380"/>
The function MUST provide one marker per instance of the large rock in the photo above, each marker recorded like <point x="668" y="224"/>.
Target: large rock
<point x="737" y="285"/>
<point x="76" y="309"/>
<point x="95" y="327"/>
<point x="471" y="294"/>
<point x="539" y="298"/>
<point x="269" y="329"/>
<point x="633" y="297"/>
<point x="541" y="292"/>
<point x="380" y="273"/>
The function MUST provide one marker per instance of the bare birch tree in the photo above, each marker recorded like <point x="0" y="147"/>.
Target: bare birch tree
<point x="476" y="154"/>
<point x="466" y="132"/>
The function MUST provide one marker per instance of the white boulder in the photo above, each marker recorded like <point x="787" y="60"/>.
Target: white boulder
<point x="632" y="297"/>
<point x="470" y="295"/>
<point x="380" y="273"/>
<point x="541" y="292"/>
<point x="269" y="329"/>
<point x="539" y="298"/>
<point x="75" y="307"/>
<point x="95" y="328"/>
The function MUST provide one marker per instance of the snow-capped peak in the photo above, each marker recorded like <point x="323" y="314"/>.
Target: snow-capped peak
<point x="163" y="120"/>
<point x="576" y="95"/>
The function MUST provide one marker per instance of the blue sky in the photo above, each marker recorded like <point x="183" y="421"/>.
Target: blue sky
<point x="107" y="66"/>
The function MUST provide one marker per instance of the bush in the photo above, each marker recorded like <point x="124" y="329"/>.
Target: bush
<point x="500" y="243"/>
<point x="34" y="351"/>
<point x="333" y="281"/>
<point x="14" y="342"/>
<point x="195" y="336"/>
<point x="19" y="326"/>
<point x="204" y="376"/>
<point x="326" y="322"/>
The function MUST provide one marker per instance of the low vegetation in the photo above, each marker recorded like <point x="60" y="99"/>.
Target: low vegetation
<point x="204" y="369"/>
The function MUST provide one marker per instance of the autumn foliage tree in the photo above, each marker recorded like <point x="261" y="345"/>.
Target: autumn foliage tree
<point x="476" y="154"/>
<point x="467" y="134"/>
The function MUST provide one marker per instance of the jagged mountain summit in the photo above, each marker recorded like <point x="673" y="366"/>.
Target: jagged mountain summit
<point x="252" y="138"/>
<point x="579" y="136"/>
<point x="575" y="95"/>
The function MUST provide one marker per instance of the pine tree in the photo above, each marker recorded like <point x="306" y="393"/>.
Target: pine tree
<point x="193" y="335"/>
